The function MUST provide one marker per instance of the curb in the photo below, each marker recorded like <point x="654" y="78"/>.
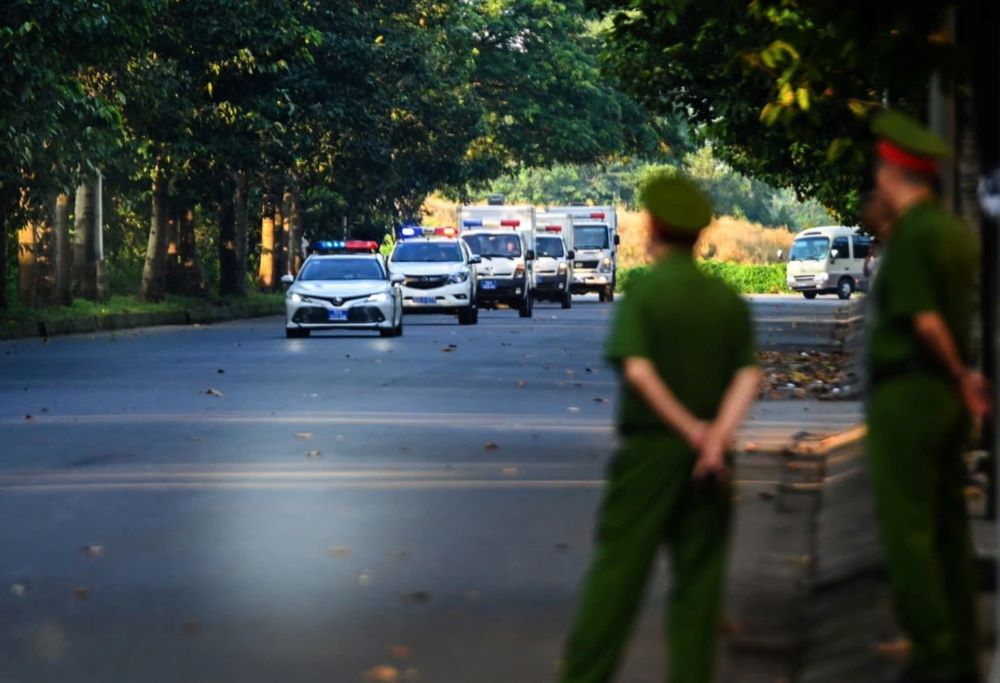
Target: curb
<point x="124" y="321"/>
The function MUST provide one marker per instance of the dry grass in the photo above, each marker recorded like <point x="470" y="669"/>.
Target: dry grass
<point x="727" y="239"/>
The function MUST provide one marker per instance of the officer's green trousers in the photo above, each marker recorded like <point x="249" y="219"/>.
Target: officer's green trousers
<point x="650" y="501"/>
<point x="918" y="429"/>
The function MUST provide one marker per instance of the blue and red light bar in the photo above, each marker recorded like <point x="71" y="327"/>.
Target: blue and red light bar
<point x="345" y="247"/>
<point x="413" y="231"/>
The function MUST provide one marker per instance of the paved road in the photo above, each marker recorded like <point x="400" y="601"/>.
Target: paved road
<point x="346" y="502"/>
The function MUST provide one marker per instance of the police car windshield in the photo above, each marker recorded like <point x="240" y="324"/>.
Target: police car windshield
<point x="550" y="246"/>
<point x="341" y="269"/>
<point x="492" y="246"/>
<point x="591" y="236"/>
<point x="810" y="249"/>
<point x="427" y="252"/>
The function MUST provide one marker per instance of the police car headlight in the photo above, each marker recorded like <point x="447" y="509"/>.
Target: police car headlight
<point x="379" y="298"/>
<point x="295" y="298"/>
<point x="606" y="264"/>
<point x="563" y="268"/>
<point x="457" y="277"/>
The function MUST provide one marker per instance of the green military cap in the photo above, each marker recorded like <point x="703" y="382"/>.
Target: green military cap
<point x="677" y="203"/>
<point x="906" y="142"/>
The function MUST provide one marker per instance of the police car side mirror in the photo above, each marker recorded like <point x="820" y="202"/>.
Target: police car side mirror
<point x="475" y="260"/>
<point x="618" y="240"/>
<point x="530" y="256"/>
<point x="287" y="280"/>
<point x="834" y="255"/>
<point x="571" y="255"/>
<point x="397" y="278"/>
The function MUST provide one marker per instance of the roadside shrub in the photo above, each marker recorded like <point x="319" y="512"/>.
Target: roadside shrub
<point x="745" y="278"/>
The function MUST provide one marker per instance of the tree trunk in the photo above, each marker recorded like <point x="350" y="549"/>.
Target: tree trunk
<point x="280" y="242"/>
<point x="45" y="249"/>
<point x="156" y="249"/>
<point x="63" y="252"/>
<point x="242" y="232"/>
<point x="88" y="242"/>
<point x="227" y="249"/>
<point x="27" y="264"/>
<point x="266" y="274"/>
<point x="293" y="217"/>
<point x="172" y="266"/>
<point x="192" y="275"/>
<point x="3" y="258"/>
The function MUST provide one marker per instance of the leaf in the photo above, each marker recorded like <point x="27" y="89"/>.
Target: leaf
<point x="93" y="550"/>
<point x="81" y="593"/>
<point x="491" y="447"/>
<point x="304" y="436"/>
<point x="214" y="393"/>
<point x="18" y="590"/>
<point x="384" y="673"/>
<point x="802" y="96"/>
<point x="509" y="471"/>
<point x="313" y="454"/>
<point x="338" y="551"/>
<point x="418" y="597"/>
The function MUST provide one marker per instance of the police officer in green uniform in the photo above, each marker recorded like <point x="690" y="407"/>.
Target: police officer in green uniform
<point x="683" y="344"/>
<point x="923" y="396"/>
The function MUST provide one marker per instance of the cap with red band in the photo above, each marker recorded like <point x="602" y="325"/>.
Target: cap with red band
<point x="908" y="144"/>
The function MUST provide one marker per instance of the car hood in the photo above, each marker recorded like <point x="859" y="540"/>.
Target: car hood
<point x="423" y="268"/>
<point x="806" y="267"/>
<point x="546" y="264"/>
<point x="334" y="288"/>
<point x="497" y="265"/>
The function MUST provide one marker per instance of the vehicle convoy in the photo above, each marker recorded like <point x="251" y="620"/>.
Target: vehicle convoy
<point x="829" y="260"/>
<point x="438" y="271"/>
<point x="503" y="237"/>
<point x="554" y="258"/>
<point x="595" y="240"/>
<point x="343" y="285"/>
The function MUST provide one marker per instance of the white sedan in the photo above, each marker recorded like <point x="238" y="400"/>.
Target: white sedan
<point x="343" y="291"/>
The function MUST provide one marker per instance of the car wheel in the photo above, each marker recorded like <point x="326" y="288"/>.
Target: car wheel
<point x="399" y="328"/>
<point x="527" y="307"/>
<point x="468" y="316"/>
<point x="296" y="333"/>
<point x="809" y="295"/>
<point x="567" y="300"/>
<point x="845" y="288"/>
<point x="609" y="295"/>
<point x="386" y="334"/>
<point x="601" y="297"/>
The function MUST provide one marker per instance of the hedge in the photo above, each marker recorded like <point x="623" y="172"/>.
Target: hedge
<point x="745" y="278"/>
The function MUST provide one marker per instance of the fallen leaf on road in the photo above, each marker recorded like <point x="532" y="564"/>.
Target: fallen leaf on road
<point x="521" y="384"/>
<point x="196" y="438"/>
<point x="304" y="436"/>
<point x="491" y="447"/>
<point x="600" y="400"/>
<point x="191" y="627"/>
<point x="472" y="596"/>
<point x="383" y="673"/>
<point x="213" y="392"/>
<point x="220" y="371"/>
<point x="509" y="471"/>
<point x="18" y="590"/>
<point x="313" y="454"/>
<point x="81" y="593"/>
<point x="447" y="349"/>
<point x="29" y="417"/>
<point x="562" y="547"/>
<point x="418" y="597"/>
<point x="894" y="649"/>
<point x="338" y="551"/>
<point x="93" y="550"/>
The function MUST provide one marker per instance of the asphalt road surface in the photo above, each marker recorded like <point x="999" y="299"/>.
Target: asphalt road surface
<point x="220" y="503"/>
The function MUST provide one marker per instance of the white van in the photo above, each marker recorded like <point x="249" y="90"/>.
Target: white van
<point x="829" y="260"/>
<point x="554" y="258"/>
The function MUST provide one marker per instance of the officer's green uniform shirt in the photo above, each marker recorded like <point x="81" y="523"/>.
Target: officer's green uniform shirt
<point x="929" y="266"/>
<point x="692" y="327"/>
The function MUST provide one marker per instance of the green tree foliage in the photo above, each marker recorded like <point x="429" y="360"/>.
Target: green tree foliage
<point x="783" y="88"/>
<point x="363" y="107"/>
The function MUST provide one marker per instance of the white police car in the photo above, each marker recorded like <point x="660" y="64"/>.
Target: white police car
<point x="343" y="286"/>
<point x="438" y="271"/>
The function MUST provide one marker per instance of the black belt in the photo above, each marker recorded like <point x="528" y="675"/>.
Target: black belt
<point x="912" y="367"/>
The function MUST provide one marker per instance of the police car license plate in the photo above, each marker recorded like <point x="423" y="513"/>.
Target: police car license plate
<point x="338" y="316"/>
<point x="426" y="300"/>
<point x="488" y="284"/>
